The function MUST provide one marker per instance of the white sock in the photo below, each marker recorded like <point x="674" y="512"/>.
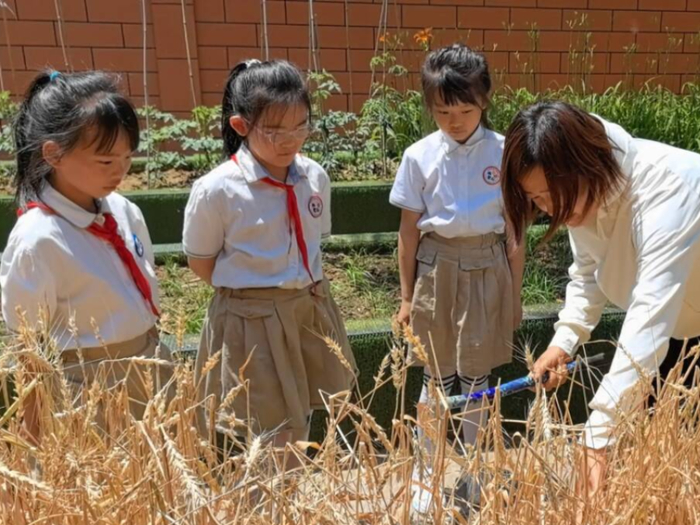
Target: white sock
<point x="475" y="417"/>
<point x="446" y="384"/>
<point x="422" y="497"/>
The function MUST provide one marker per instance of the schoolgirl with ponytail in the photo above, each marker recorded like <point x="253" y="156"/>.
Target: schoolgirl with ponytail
<point x="80" y="255"/>
<point x="253" y="230"/>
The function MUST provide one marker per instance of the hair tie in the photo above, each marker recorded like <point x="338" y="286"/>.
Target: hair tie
<point x="54" y="75"/>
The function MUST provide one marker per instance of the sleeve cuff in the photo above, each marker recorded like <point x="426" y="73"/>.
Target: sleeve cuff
<point x="566" y="339"/>
<point x="188" y="253"/>
<point x="399" y="204"/>
<point x="598" y="431"/>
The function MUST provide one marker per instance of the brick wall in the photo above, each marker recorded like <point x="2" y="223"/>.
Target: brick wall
<point x="600" y="41"/>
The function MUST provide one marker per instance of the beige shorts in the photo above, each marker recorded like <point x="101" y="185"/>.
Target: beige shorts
<point x="463" y="303"/>
<point x="112" y="367"/>
<point x="290" y="363"/>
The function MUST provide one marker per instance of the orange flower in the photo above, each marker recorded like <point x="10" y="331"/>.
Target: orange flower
<point x="424" y="37"/>
<point x="384" y="37"/>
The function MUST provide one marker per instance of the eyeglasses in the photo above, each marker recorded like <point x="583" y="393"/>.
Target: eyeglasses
<point x="298" y="135"/>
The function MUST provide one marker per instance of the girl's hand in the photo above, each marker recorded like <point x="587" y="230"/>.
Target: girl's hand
<point x="553" y="362"/>
<point x="404" y="315"/>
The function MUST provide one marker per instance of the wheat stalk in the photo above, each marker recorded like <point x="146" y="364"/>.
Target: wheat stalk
<point x="161" y="471"/>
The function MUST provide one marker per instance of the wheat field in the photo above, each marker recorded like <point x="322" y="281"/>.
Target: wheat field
<point x="112" y="469"/>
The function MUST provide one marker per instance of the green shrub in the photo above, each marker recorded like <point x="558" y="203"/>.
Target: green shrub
<point x="652" y="112"/>
<point x="368" y="145"/>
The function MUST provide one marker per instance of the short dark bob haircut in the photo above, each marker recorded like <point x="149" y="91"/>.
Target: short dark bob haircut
<point x="572" y="148"/>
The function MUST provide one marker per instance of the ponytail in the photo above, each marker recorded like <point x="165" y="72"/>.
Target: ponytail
<point x="232" y="140"/>
<point x="28" y="185"/>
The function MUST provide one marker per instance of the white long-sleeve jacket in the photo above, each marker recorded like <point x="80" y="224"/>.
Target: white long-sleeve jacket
<point x="642" y="253"/>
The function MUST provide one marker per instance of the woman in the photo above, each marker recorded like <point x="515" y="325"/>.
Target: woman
<point x="632" y="207"/>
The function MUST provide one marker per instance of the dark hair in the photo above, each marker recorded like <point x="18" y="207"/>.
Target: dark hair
<point x="62" y="108"/>
<point x="254" y="86"/>
<point x="457" y="74"/>
<point x="572" y="148"/>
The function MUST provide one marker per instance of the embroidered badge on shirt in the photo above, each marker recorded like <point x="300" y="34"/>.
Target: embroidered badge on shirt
<point x="492" y="175"/>
<point x="315" y="206"/>
<point x="138" y="245"/>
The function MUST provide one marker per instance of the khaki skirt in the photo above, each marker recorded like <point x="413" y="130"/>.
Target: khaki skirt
<point x="463" y="303"/>
<point x="271" y="343"/>
<point x="112" y="366"/>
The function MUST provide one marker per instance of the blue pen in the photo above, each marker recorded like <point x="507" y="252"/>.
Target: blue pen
<point x="517" y="385"/>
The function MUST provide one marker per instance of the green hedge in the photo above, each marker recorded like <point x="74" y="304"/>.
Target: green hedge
<point x="535" y="333"/>
<point x="371" y="345"/>
<point x="356" y="208"/>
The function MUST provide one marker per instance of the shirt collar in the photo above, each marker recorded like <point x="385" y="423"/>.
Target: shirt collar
<point x="70" y="210"/>
<point x="253" y="171"/>
<point x="451" y="145"/>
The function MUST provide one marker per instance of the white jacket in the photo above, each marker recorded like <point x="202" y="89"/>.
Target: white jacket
<point x="642" y="253"/>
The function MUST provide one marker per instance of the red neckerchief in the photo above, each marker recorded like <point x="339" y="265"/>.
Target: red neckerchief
<point x="109" y="232"/>
<point x="294" y="217"/>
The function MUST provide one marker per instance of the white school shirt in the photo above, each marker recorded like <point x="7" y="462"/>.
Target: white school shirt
<point x="242" y="221"/>
<point x="51" y="262"/>
<point x="456" y="187"/>
<point x="642" y="253"/>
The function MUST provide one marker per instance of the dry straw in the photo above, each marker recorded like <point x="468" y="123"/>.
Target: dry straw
<point x="162" y="471"/>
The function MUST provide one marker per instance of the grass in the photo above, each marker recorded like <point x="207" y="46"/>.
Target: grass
<point x="161" y="471"/>
<point x="546" y="265"/>
<point x="365" y="283"/>
<point x="365" y="286"/>
<point x="183" y="297"/>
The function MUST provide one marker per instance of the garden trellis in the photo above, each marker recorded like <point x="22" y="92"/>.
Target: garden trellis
<point x="4" y="8"/>
<point x="264" y="44"/>
<point x="144" y="32"/>
<point x="61" y="37"/>
<point x="65" y="27"/>
<point x="189" y="54"/>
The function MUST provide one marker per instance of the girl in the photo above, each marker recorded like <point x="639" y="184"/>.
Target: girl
<point x="632" y="207"/>
<point x="79" y="257"/>
<point x="460" y="282"/>
<point x="253" y="229"/>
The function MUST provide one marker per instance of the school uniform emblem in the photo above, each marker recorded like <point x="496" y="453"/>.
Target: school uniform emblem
<point x="315" y="206"/>
<point x="492" y="175"/>
<point x="138" y="246"/>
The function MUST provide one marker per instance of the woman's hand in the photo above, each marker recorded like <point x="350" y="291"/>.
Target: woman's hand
<point x="31" y="428"/>
<point x="594" y="465"/>
<point x="553" y="362"/>
<point x="404" y="315"/>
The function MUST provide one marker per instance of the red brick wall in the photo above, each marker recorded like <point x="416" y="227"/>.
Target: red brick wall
<point x="632" y="41"/>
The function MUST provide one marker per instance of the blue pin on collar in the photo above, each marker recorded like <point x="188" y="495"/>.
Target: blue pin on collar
<point x="54" y="75"/>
